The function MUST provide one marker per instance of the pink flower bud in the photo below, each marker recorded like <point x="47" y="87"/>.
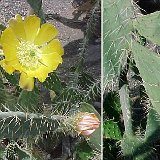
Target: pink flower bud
<point x="87" y="123"/>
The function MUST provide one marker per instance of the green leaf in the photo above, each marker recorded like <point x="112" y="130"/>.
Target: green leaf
<point x="29" y="101"/>
<point x="83" y="151"/>
<point x="85" y="107"/>
<point x="152" y="31"/>
<point x="37" y="7"/>
<point x="26" y="125"/>
<point x="112" y="106"/>
<point x="93" y="92"/>
<point x="13" y="79"/>
<point x="68" y="99"/>
<point x="117" y="26"/>
<point x="126" y="109"/>
<point x="85" y="80"/>
<point x="95" y="139"/>
<point x="111" y="149"/>
<point x="2" y="93"/>
<point x="2" y="27"/>
<point x="153" y="127"/>
<point x="135" y="148"/>
<point x="22" y="154"/>
<point x="2" y="152"/>
<point x="148" y="64"/>
<point x="53" y="83"/>
<point x="111" y="130"/>
<point x="6" y="98"/>
<point x="13" y="151"/>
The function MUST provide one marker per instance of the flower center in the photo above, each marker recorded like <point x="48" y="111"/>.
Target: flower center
<point x="29" y="55"/>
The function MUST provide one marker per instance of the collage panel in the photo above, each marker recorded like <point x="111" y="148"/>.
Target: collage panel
<point x="131" y="90"/>
<point x="50" y="80"/>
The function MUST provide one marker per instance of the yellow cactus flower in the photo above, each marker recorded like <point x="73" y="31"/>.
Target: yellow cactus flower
<point x="31" y="49"/>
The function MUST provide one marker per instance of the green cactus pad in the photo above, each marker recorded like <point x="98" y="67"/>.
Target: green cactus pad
<point x="24" y="125"/>
<point x="111" y="130"/>
<point x="148" y="64"/>
<point x="149" y="26"/>
<point x="117" y="25"/>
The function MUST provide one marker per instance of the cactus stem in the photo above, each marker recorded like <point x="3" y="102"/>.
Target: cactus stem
<point x="126" y="109"/>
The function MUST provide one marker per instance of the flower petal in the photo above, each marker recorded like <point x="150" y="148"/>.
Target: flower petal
<point x="9" y="44"/>
<point x="17" y="26"/>
<point x="6" y="66"/>
<point x="8" y="37"/>
<point x="26" y="82"/>
<point x="87" y="132"/>
<point x="9" y="52"/>
<point x="18" y="66"/>
<point x="87" y="123"/>
<point x="42" y="73"/>
<point x="46" y="33"/>
<point x="31" y="26"/>
<point x="51" y="60"/>
<point x="54" y="46"/>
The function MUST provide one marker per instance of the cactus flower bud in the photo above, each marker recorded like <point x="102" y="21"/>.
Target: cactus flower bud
<point x="86" y="123"/>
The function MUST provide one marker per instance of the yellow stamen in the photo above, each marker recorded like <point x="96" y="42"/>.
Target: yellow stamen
<point x="1" y="52"/>
<point x="29" y="55"/>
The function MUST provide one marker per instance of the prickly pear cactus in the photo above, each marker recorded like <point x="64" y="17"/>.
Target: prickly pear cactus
<point x="137" y="103"/>
<point x="40" y="116"/>
<point x="117" y="26"/>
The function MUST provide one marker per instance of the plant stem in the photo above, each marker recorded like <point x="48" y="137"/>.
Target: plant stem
<point x="126" y="109"/>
